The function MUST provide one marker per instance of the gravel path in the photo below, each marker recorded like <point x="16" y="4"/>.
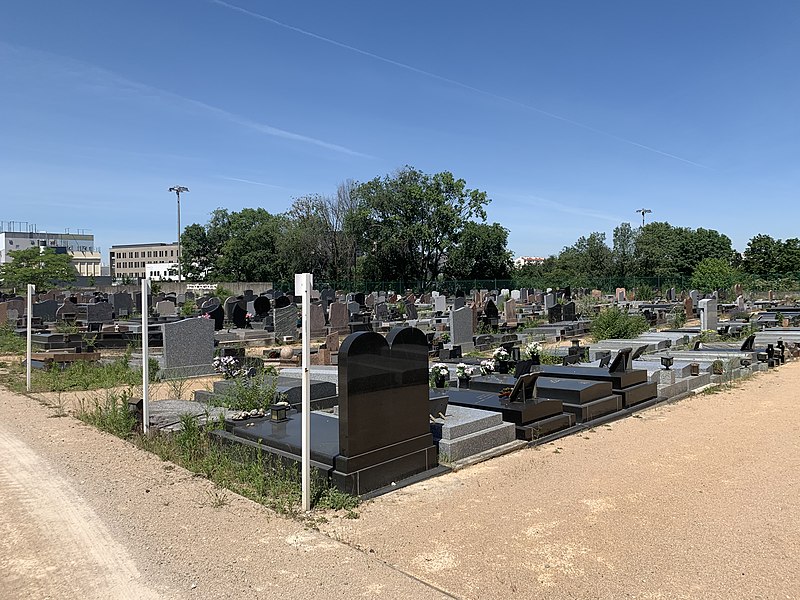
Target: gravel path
<point x="698" y="499"/>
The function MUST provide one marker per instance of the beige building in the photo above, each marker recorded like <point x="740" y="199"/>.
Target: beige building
<point x="79" y="246"/>
<point x="131" y="261"/>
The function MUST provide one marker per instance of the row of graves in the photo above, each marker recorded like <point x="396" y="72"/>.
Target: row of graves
<point x="381" y="424"/>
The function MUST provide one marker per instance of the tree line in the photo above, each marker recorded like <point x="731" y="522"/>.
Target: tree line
<point x="416" y="227"/>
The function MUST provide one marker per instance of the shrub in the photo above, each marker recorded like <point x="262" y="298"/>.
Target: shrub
<point x="615" y="323"/>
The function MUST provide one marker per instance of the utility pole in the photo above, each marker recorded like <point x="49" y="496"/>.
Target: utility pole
<point x="179" y="189"/>
<point x="643" y="212"/>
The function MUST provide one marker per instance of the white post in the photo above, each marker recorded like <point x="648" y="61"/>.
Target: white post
<point x="302" y="287"/>
<point x="31" y="292"/>
<point x="145" y="358"/>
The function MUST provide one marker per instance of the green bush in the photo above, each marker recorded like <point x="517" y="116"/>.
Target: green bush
<point x="615" y="323"/>
<point x="10" y="342"/>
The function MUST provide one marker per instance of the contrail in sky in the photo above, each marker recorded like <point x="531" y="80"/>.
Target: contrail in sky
<point x="454" y="82"/>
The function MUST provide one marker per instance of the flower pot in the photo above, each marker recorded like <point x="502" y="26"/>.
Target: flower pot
<point x="440" y="381"/>
<point x="503" y="366"/>
<point x="463" y="383"/>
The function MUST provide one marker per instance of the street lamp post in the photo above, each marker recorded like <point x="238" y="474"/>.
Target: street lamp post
<point x="179" y="189"/>
<point x="643" y="212"/>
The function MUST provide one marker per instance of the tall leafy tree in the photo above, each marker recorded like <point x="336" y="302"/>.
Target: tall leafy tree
<point x="411" y="221"/>
<point x="623" y="253"/>
<point x="481" y="253"/>
<point x="44" y="269"/>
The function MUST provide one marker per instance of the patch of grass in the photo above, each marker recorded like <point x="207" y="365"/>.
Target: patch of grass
<point x="110" y="414"/>
<point x="80" y="375"/>
<point x="259" y="476"/>
<point x="248" y="393"/>
<point x="217" y="498"/>
<point x="613" y="323"/>
<point x="10" y="342"/>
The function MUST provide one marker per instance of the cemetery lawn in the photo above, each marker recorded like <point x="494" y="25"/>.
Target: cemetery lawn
<point x="77" y="376"/>
<point x="10" y="342"/>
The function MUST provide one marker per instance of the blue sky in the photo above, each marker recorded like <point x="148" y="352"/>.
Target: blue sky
<point x="569" y="115"/>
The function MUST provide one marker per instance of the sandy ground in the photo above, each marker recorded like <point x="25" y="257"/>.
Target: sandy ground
<point x="698" y="499"/>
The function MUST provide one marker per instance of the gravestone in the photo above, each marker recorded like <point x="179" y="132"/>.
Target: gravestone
<point x="510" y="311"/>
<point x="67" y="311"/>
<point x="360" y="298"/>
<point x="122" y="303"/>
<point x="597" y="294"/>
<point x="332" y="342"/>
<point x="317" y="320"/>
<point x="555" y="314"/>
<point x="188" y="348"/>
<point x="213" y="308"/>
<point x="261" y="306"/>
<point x="411" y="311"/>
<point x="45" y="310"/>
<point x="621" y="295"/>
<point x="490" y="310"/>
<point x="461" y="327"/>
<point x="102" y="312"/>
<point x="460" y="293"/>
<point x="382" y="312"/>
<point x="165" y="308"/>
<point x="523" y="295"/>
<point x="695" y="296"/>
<point x="285" y="321"/>
<point x="708" y="314"/>
<point x="739" y="303"/>
<point x="384" y="431"/>
<point x="459" y="302"/>
<point x="228" y="305"/>
<point x="339" y="318"/>
<point x="239" y="314"/>
<point x="549" y="300"/>
<point x="369" y="301"/>
<point x="353" y="307"/>
<point x="568" y="312"/>
<point x="282" y="302"/>
<point x="671" y="296"/>
<point x="515" y="295"/>
<point x="439" y="304"/>
<point x="688" y="308"/>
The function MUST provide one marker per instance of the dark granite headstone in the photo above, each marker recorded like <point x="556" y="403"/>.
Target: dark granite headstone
<point x="490" y="310"/>
<point x="262" y="306"/>
<point x="554" y="314"/>
<point x="282" y="302"/>
<point x="568" y="313"/>
<point x="384" y="431"/>
<point x="239" y="314"/>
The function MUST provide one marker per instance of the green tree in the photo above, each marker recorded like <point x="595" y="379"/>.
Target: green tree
<point x="713" y="274"/>
<point x="761" y="255"/>
<point x="481" y="253"/>
<point x="411" y="221"/>
<point x="623" y="253"/>
<point x="44" y="269"/>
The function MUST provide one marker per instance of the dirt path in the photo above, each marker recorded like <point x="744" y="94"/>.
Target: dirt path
<point x="86" y="515"/>
<point x="55" y="546"/>
<point x="698" y="499"/>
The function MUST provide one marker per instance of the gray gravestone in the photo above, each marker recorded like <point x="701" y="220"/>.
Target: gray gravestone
<point x="285" y="322"/>
<point x="339" y="318"/>
<point x="461" y="330"/>
<point x="45" y="310"/>
<point x="188" y="348"/>
<point x="101" y="312"/>
<point x="317" y="320"/>
<point x="165" y="308"/>
<point x="708" y="314"/>
<point x="439" y="304"/>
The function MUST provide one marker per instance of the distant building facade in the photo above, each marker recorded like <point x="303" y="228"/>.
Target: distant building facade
<point x="79" y="246"/>
<point x="523" y="261"/>
<point x="131" y="261"/>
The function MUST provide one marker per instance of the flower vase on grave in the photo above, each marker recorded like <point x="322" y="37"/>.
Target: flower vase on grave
<point x="535" y="360"/>
<point x="503" y="366"/>
<point x="441" y="381"/>
<point x="463" y="383"/>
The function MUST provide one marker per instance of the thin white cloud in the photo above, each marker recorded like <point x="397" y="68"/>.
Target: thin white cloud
<point x="565" y="208"/>
<point x="252" y="182"/>
<point x="99" y="78"/>
<point x="457" y="83"/>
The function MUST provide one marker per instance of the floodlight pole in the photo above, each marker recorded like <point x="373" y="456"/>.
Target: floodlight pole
<point x="178" y="189"/>
<point x="643" y="212"/>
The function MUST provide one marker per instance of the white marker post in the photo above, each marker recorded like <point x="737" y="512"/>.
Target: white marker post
<point x="303" y="282"/>
<point x="145" y="358"/>
<point x="29" y="332"/>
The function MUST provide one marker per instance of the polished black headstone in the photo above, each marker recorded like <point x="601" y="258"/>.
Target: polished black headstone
<point x="262" y="306"/>
<point x="282" y="302"/>
<point x="384" y="432"/>
<point x="554" y="314"/>
<point x="490" y="310"/>
<point x="239" y="314"/>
